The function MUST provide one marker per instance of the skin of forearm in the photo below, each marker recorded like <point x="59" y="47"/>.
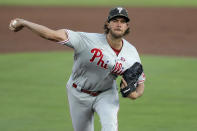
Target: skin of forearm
<point x="41" y="30"/>
<point x="139" y="92"/>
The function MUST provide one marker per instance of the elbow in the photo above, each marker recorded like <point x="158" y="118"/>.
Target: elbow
<point x="48" y="36"/>
<point x="54" y="36"/>
<point x="135" y="95"/>
<point x="133" y="98"/>
<point x="58" y="38"/>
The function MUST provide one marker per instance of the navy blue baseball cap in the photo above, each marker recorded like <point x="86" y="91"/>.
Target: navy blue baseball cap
<point x="118" y="12"/>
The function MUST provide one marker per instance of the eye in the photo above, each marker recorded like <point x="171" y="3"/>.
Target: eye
<point x="123" y="21"/>
<point x="114" y="20"/>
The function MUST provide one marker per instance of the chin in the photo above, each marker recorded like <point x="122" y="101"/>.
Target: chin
<point x="117" y="35"/>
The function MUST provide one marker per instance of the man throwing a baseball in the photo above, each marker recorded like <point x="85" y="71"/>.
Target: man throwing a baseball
<point x="98" y="60"/>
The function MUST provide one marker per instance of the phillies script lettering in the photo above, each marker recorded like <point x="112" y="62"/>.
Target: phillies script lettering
<point x="97" y="53"/>
<point x="117" y="69"/>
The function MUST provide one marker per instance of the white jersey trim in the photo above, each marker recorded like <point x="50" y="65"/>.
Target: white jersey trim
<point x="141" y="81"/>
<point x="65" y="41"/>
<point x="143" y="78"/>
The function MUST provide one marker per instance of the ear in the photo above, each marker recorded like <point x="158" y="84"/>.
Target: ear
<point x="107" y="23"/>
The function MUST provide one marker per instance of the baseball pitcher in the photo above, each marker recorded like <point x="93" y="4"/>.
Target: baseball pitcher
<point x="98" y="60"/>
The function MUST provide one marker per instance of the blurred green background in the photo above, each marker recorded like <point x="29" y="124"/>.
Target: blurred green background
<point x="32" y="94"/>
<point x="169" y="3"/>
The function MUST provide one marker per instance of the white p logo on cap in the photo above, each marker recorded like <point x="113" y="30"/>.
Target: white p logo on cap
<point x="119" y="9"/>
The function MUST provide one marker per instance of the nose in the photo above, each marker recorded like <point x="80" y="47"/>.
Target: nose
<point x="119" y="23"/>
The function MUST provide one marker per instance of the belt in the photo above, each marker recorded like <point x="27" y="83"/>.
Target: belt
<point x="92" y="93"/>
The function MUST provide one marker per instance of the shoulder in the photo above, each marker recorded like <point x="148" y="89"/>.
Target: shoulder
<point x="83" y="33"/>
<point x="92" y="35"/>
<point x="94" y="38"/>
<point x="129" y="46"/>
<point x="130" y="52"/>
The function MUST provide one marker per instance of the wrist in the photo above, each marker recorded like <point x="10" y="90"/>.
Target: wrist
<point x="24" y="22"/>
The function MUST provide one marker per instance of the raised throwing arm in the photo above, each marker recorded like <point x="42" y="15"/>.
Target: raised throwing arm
<point x="43" y="31"/>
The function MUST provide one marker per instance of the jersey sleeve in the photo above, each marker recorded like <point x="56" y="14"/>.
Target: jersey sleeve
<point x="136" y="56"/>
<point x="74" y="39"/>
<point x="142" y="78"/>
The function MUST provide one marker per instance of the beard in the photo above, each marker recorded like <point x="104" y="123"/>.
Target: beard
<point x="116" y="35"/>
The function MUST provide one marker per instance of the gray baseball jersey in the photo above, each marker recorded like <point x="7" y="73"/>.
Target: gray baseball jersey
<point x="96" y="67"/>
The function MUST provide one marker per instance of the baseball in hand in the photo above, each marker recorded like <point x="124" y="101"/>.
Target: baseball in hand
<point x="14" y="26"/>
<point x="14" y="23"/>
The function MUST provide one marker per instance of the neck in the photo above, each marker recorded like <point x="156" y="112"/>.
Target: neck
<point x="115" y="43"/>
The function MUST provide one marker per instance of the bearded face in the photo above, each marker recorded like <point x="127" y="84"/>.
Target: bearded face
<point x="117" y="27"/>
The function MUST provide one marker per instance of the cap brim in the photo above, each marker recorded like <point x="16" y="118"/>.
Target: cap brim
<point x="119" y="15"/>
